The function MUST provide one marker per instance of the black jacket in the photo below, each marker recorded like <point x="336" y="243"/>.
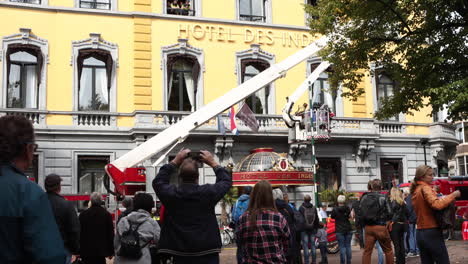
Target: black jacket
<point x="288" y="214"/>
<point x="67" y="221"/>
<point x="341" y="216"/>
<point x="190" y="227"/>
<point x="400" y="212"/>
<point x="28" y="232"/>
<point x="385" y="214"/>
<point x="97" y="233"/>
<point x="316" y="221"/>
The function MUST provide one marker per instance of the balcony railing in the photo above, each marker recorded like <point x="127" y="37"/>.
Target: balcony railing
<point x="38" y="2"/>
<point x="252" y="18"/>
<point x="180" y="11"/>
<point x="341" y="127"/>
<point x="96" y="4"/>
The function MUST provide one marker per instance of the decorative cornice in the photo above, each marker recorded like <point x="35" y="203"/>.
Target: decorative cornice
<point x="95" y="41"/>
<point x="182" y="47"/>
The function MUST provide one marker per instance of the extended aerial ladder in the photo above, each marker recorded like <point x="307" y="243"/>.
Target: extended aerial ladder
<point x="121" y="170"/>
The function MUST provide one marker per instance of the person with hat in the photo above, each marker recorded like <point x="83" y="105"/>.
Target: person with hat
<point x="65" y="216"/>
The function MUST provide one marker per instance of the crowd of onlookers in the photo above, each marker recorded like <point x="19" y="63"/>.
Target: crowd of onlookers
<point x="42" y="227"/>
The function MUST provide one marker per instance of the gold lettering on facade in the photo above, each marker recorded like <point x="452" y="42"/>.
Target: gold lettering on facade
<point x="198" y="32"/>
<point x="232" y="35"/>
<point x="249" y="36"/>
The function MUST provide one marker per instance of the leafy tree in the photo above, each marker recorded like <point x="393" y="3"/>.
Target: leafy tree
<point x="228" y="200"/>
<point x="422" y="45"/>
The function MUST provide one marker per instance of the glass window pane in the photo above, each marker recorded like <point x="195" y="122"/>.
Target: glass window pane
<point x="257" y="7"/>
<point x="85" y="183"/>
<point x="85" y="94"/>
<point x="14" y="87"/>
<point x="91" y="61"/>
<point x="102" y="93"/>
<point x="30" y="86"/>
<point x="23" y="57"/>
<point x="244" y="7"/>
<point x="86" y="5"/>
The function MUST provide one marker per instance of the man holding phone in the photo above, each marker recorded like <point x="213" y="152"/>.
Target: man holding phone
<point x="190" y="231"/>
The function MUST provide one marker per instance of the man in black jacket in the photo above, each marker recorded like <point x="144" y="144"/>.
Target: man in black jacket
<point x="190" y="231"/>
<point x="65" y="216"/>
<point x="97" y="233"/>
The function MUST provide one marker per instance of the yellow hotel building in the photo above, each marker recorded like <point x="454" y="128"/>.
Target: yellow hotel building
<point x="98" y="77"/>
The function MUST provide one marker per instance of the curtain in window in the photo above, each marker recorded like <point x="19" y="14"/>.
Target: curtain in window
<point x="30" y="87"/>
<point x="14" y="86"/>
<point x="102" y="93"/>
<point x="85" y="95"/>
<point x="189" y="84"/>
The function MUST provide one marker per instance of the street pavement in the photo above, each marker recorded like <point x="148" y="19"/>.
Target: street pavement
<point x="458" y="252"/>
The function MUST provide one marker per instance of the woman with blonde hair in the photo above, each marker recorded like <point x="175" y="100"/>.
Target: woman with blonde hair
<point x="398" y="224"/>
<point x="429" y="235"/>
<point x="262" y="231"/>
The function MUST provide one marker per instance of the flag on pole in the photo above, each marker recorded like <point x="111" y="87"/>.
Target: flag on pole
<point x="233" y="125"/>
<point x="221" y="126"/>
<point x="246" y="115"/>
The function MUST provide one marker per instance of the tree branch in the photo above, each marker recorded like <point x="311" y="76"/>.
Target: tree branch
<point x="397" y="14"/>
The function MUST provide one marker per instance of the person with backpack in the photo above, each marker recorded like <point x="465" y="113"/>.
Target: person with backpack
<point x="239" y="209"/>
<point x="136" y="233"/>
<point x="341" y="214"/>
<point x="398" y="224"/>
<point x="375" y="215"/>
<point x="309" y="229"/>
<point x="429" y="234"/>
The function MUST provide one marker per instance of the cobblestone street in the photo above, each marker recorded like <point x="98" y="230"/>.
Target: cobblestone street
<point x="458" y="251"/>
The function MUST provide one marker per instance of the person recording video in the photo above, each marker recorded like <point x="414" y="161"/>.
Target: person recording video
<point x="190" y="232"/>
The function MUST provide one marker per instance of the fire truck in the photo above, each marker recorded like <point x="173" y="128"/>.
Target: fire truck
<point x="128" y="179"/>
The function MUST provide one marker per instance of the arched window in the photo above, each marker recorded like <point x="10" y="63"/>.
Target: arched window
<point x="94" y="74"/>
<point x="322" y="92"/>
<point x="385" y="89"/>
<point x="24" y="66"/>
<point x="258" y="101"/>
<point x="183" y="73"/>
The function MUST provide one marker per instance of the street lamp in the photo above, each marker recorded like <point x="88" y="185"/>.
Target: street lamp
<point x="424" y="142"/>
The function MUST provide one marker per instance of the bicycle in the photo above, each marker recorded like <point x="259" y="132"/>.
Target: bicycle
<point x="227" y="235"/>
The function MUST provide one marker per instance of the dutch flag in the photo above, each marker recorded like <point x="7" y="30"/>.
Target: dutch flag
<point x="233" y="125"/>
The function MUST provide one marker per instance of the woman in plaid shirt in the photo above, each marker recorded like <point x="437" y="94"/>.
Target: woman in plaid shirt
<point x="263" y="232"/>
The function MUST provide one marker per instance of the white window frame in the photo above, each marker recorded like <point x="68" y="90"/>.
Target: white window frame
<point x="25" y="37"/>
<point x="373" y="68"/>
<point x="113" y="6"/>
<point x="75" y="165"/>
<point x="183" y="48"/>
<point x="95" y="42"/>
<point x="268" y="12"/>
<point x="196" y="3"/>
<point x="256" y="52"/>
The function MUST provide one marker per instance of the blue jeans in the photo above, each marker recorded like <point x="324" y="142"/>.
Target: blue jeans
<point x="308" y="237"/>
<point x="413" y="246"/>
<point x="344" y="242"/>
<point x="377" y="246"/>
<point x="69" y="255"/>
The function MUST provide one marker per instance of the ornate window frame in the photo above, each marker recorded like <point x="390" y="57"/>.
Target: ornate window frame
<point x="183" y="48"/>
<point x="375" y="66"/>
<point x="268" y="12"/>
<point x="196" y="3"/>
<point x="113" y="6"/>
<point x="339" y="105"/>
<point x="95" y="42"/>
<point x="256" y="52"/>
<point x="25" y="37"/>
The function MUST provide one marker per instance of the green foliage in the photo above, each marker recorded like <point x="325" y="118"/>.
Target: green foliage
<point x="422" y="45"/>
<point x="330" y="196"/>
<point x="228" y="200"/>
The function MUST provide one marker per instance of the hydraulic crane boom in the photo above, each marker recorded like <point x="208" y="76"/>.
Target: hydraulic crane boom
<point x="181" y="130"/>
